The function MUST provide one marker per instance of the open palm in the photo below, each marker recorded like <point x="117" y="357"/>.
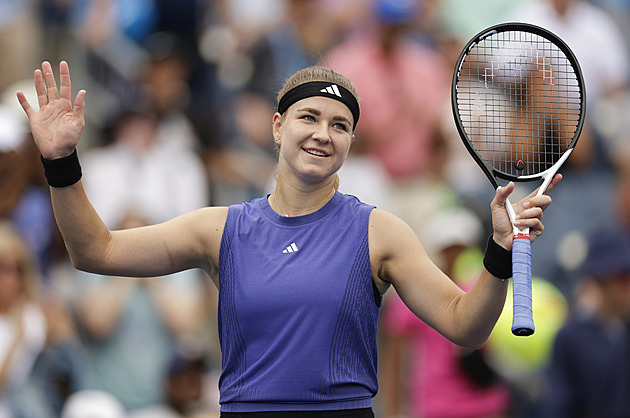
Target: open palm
<point x="57" y="126"/>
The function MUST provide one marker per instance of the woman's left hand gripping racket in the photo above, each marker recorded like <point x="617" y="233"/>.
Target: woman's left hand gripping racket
<point x="519" y="103"/>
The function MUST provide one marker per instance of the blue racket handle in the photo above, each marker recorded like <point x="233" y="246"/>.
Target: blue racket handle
<point x="523" y="321"/>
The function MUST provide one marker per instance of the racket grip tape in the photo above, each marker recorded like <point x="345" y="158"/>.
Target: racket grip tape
<point x="523" y="320"/>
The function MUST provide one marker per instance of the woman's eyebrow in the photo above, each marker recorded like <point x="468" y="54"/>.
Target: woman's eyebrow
<point x="317" y="112"/>
<point x="310" y="110"/>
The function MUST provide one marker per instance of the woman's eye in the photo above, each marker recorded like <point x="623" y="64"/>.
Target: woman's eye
<point x="340" y="126"/>
<point x="308" y="118"/>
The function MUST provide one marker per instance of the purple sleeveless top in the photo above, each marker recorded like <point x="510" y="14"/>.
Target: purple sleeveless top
<point x="298" y="310"/>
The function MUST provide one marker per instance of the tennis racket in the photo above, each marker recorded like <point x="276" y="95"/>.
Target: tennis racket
<point x="518" y="99"/>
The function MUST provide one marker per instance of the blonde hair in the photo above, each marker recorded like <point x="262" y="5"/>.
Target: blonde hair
<point x="317" y="73"/>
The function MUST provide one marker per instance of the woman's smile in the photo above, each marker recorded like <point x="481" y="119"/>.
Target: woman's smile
<point x="316" y="152"/>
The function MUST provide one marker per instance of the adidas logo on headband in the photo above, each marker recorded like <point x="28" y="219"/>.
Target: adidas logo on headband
<point x="320" y="88"/>
<point x="332" y="89"/>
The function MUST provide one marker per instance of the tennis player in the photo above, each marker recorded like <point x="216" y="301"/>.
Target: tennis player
<point x="301" y="272"/>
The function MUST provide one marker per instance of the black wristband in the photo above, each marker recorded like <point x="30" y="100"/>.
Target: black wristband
<point x="62" y="172"/>
<point x="497" y="260"/>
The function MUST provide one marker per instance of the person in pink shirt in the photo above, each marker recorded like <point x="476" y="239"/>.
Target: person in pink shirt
<point x="440" y="379"/>
<point x="403" y="85"/>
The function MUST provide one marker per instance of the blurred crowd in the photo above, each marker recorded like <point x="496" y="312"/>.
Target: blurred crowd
<point x="180" y="99"/>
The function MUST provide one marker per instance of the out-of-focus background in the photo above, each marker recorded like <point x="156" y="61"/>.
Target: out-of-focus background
<point x="180" y="98"/>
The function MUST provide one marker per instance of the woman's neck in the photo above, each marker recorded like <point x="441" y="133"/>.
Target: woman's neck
<point x="287" y="200"/>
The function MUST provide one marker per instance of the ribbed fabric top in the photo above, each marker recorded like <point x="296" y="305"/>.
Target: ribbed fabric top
<point x="297" y="313"/>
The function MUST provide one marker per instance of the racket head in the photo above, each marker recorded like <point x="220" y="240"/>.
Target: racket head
<point x="518" y="99"/>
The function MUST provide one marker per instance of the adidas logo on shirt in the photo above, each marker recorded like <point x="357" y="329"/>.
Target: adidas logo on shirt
<point x="291" y="249"/>
<point x="332" y="89"/>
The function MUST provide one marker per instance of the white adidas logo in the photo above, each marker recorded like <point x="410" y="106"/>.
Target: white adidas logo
<point x="332" y="89"/>
<point x="291" y="249"/>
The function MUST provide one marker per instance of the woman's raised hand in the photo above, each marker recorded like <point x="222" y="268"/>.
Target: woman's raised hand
<point x="57" y="126"/>
<point x="529" y="213"/>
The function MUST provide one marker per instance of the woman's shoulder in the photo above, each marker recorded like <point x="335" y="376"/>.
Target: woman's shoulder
<point x="210" y="218"/>
<point x="382" y="217"/>
<point x="388" y="232"/>
<point x="353" y="201"/>
<point x="209" y="212"/>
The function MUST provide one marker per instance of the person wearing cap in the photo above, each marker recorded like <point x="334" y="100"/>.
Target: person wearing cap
<point x="300" y="272"/>
<point x="589" y="371"/>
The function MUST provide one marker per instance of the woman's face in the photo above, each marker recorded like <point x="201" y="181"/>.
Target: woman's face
<point x="314" y="137"/>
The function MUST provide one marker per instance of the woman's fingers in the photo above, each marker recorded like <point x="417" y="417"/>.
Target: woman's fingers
<point x="40" y="88"/>
<point x="503" y="193"/>
<point x="25" y="104"/>
<point x="49" y="78"/>
<point x="46" y="87"/>
<point x="553" y="183"/>
<point x="65" y="90"/>
<point x="79" y="105"/>
<point x="532" y="213"/>
<point x="542" y="200"/>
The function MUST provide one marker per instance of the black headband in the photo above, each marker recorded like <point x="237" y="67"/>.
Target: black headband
<point x="320" y="88"/>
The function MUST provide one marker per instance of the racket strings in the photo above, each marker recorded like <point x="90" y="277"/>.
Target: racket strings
<point x="519" y="101"/>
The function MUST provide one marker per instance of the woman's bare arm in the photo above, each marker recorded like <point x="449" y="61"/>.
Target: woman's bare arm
<point x="399" y="258"/>
<point x="466" y="318"/>
<point x="189" y="241"/>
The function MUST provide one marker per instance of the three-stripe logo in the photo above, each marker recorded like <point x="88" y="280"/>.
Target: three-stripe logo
<point x="291" y="249"/>
<point x="332" y="89"/>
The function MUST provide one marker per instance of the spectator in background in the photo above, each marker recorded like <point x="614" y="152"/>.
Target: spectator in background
<point x="164" y="89"/>
<point x="125" y="45"/>
<point x="241" y="168"/>
<point x="149" y="173"/>
<point x="589" y="370"/>
<point x="186" y="387"/>
<point x="120" y="317"/>
<point x="599" y="45"/>
<point x="60" y="369"/>
<point x="423" y="373"/>
<point x="141" y="172"/>
<point x="230" y="28"/>
<point x="600" y="48"/>
<point x="297" y="42"/>
<point x="403" y="85"/>
<point x="591" y="33"/>
<point x="25" y="198"/>
<point x="25" y="210"/>
<point x="22" y="321"/>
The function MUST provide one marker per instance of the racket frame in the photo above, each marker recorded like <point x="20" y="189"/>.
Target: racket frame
<point x="523" y="324"/>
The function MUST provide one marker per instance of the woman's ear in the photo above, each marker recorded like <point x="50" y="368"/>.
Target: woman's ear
<point x="276" y="126"/>
<point x="350" y="146"/>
